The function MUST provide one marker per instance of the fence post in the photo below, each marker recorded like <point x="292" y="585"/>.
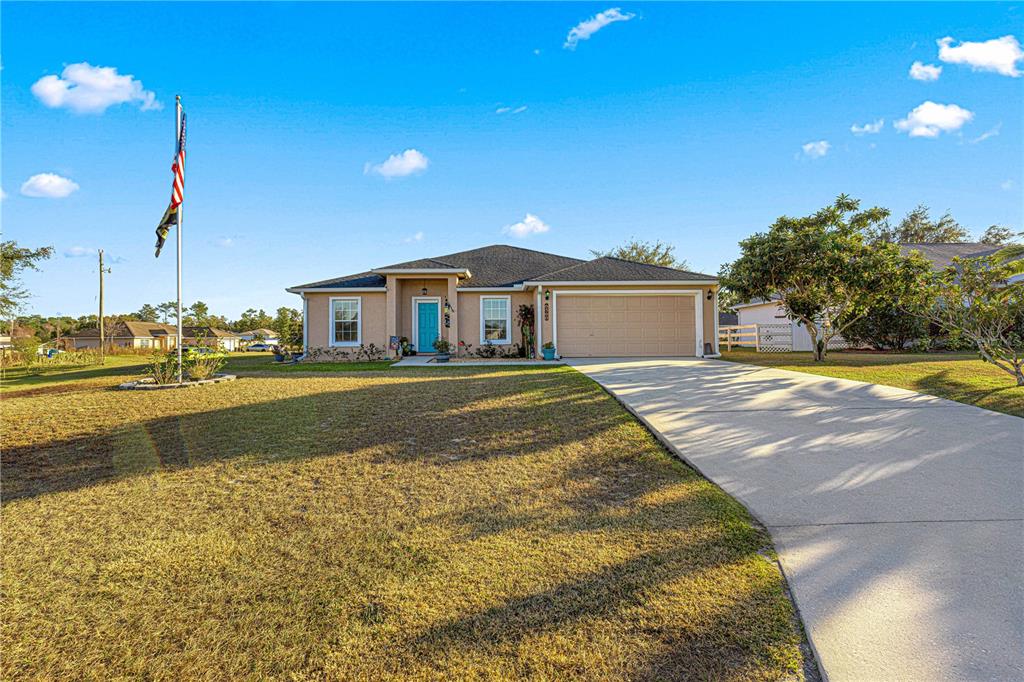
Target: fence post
<point x="757" y="338"/>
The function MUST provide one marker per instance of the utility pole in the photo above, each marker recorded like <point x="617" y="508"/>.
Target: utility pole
<point x="102" y="357"/>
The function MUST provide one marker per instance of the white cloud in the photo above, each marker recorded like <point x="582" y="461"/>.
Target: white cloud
<point x="816" y="150"/>
<point x="991" y="132"/>
<point x="3" y="194"/>
<point x="519" y="110"/>
<point x="79" y="252"/>
<point x="925" y="72"/>
<point x="399" y="165"/>
<point x="418" y="237"/>
<point x="510" y="110"/>
<point x="1006" y="185"/>
<point x="502" y="110"/>
<point x="48" y="186"/>
<point x="224" y="242"/>
<point x="930" y="119"/>
<point x="999" y="54"/>
<point x="868" y="128"/>
<point x="587" y="28"/>
<point x="537" y="51"/>
<point x="88" y="89"/>
<point x="531" y="224"/>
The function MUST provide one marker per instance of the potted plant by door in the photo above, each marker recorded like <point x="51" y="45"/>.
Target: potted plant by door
<point x="548" y="349"/>
<point x="443" y="348"/>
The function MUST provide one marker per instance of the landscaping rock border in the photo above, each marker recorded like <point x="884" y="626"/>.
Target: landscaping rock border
<point x="150" y="385"/>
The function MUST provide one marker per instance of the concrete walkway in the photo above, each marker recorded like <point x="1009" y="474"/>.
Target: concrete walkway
<point x="897" y="516"/>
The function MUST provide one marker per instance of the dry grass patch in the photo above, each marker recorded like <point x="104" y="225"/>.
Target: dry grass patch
<point x="488" y="523"/>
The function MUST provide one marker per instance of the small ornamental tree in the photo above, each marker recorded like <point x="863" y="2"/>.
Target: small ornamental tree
<point x="977" y="299"/>
<point x="823" y="270"/>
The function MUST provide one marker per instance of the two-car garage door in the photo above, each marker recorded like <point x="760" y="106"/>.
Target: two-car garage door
<point x="625" y="325"/>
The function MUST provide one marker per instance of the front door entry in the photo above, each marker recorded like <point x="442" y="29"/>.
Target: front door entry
<point x="427" y="318"/>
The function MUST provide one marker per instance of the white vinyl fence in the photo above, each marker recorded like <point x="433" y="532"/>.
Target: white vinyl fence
<point x="770" y="338"/>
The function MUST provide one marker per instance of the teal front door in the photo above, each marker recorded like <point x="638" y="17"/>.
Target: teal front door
<point x="426" y="325"/>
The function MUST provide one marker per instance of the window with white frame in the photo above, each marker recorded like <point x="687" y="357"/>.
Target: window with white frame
<point x="495" y="319"/>
<point x="346" y="317"/>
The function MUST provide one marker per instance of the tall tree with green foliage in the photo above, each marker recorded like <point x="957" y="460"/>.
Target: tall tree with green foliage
<point x="978" y="299"/>
<point x="288" y="325"/>
<point x="917" y="227"/>
<point x="651" y="253"/>
<point x="14" y="260"/>
<point x="147" y="313"/>
<point x="822" y="268"/>
<point x="167" y="311"/>
<point x="253" y="319"/>
<point x="997" y="235"/>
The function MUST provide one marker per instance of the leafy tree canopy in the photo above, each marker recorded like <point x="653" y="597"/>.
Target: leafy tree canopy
<point x="822" y="268"/>
<point x="997" y="235"/>
<point x="14" y="260"/>
<point x="917" y="227"/>
<point x="652" y="253"/>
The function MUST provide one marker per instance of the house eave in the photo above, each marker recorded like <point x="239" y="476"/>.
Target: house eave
<point x="422" y="271"/>
<point x="634" y="282"/>
<point x="334" y="290"/>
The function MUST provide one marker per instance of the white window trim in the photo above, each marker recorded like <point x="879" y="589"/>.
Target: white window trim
<point x="416" y="300"/>
<point x="508" y="322"/>
<point x="698" y="308"/>
<point x="359" y="322"/>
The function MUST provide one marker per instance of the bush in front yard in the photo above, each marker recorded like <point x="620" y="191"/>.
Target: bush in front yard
<point x="886" y="328"/>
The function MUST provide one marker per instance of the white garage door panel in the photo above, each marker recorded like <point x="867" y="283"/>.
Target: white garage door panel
<point x="625" y="326"/>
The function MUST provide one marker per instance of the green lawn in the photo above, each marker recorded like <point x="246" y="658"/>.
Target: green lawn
<point x="956" y="376"/>
<point x="472" y="523"/>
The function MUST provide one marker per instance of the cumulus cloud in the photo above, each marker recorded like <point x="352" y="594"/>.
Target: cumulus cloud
<point x="88" y="89"/>
<point x="79" y="252"/>
<point x="531" y="224"/>
<point x="931" y="119"/>
<point x="399" y="165"/>
<point x="418" y="237"/>
<point x="588" y="27"/>
<point x="3" y="194"/>
<point x="868" y="128"/>
<point x="999" y="54"/>
<point x="48" y="186"/>
<point x="1006" y="185"/>
<point x="224" y="242"/>
<point x="816" y="150"/>
<point x="925" y="72"/>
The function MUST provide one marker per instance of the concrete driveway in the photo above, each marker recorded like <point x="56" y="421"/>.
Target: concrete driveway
<point x="897" y="516"/>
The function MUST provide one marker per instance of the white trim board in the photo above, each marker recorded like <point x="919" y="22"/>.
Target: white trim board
<point x="698" y="309"/>
<point x="335" y="290"/>
<point x="634" y="283"/>
<point x="415" y="340"/>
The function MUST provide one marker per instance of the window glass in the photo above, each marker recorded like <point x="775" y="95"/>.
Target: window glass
<point x="495" y="319"/>
<point x="346" y="321"/>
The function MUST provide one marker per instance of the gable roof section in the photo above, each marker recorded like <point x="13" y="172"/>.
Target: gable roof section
<point x="127" y="329"/>
<point x="610" y="269"/>
<point x="490" y="266"/>
<point x="941" y="255"/>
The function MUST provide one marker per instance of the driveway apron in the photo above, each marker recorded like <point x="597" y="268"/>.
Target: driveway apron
<point x="897" y="516"/>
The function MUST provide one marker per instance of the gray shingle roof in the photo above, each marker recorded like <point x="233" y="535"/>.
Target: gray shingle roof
<point x="942" y="255"/>
<point x="609" y="269"/>
<point x="489" y="266"/>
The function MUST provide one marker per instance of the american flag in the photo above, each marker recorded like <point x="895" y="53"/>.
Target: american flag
<point x="170" y="218"/>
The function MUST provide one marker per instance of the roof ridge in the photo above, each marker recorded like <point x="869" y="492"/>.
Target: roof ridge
<point x="654" y="265"/>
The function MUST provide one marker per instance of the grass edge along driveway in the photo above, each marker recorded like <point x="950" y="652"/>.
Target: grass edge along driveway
<point x="494" y="523"/>
<point x="962" y="377"/>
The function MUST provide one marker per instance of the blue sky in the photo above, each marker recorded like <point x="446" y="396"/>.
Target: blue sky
<point x="696" y="124"/>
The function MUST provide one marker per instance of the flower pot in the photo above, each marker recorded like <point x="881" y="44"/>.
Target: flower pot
<point x="549" y="353"/>
<point x="442" y="357"/>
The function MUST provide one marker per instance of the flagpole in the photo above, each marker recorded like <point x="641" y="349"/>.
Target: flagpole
<point x="181" y="208"/>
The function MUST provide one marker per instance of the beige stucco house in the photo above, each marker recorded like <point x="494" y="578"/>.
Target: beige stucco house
<point x="604" y="307"/>
<point x="154" y="336"/>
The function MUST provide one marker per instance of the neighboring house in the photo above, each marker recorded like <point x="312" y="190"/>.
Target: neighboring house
<point x="210" y="336"/>
<point x="601" y="307"/>
<point x="941" y="255"/>
<point x="770" y="313"/>
<point x="264" y="335"/>
<point x="129" y="334"/>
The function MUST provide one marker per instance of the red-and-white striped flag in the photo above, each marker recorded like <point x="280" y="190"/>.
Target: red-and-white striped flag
<point x="170" y="218"/>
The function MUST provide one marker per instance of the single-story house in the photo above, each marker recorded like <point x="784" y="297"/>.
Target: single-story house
<point x="263" y="335"/>
<point x="210" y="336"/>
<point x="128" y="334"/>
<point x="941" y="255"/>
<point x="770" y="314"/>
<point x="586" y="308"/>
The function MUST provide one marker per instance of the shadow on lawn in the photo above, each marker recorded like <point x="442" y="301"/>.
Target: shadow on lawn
<point x="440" y="422"/>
